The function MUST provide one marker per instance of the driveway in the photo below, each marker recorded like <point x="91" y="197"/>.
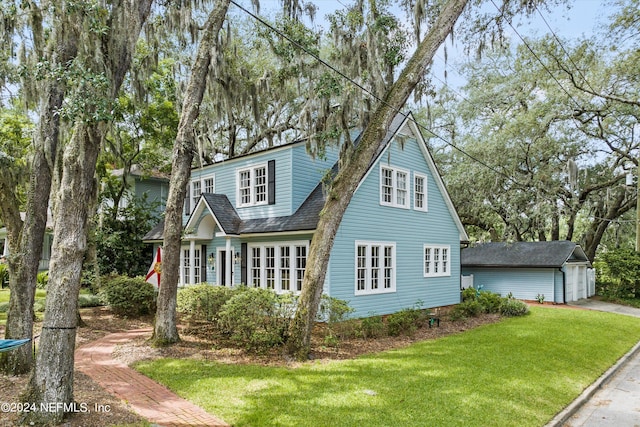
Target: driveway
<point x="614" y="399"/>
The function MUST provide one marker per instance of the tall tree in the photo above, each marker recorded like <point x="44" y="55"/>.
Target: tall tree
<point x="354" y="165"/>
<point x="165" y="329"/>
<point x="54" y="46"/>
<point x="107" y="45"/>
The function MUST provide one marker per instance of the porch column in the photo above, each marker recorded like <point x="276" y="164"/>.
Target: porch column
<point x="229" y="261"/>
<point x="192" y="263"/>
<point x="181" y="278"/>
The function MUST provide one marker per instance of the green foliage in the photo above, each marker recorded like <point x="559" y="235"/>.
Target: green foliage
<point x="256" y="319"/>
<point x="42" y="279"/>
<point x="333" y="310"/>
<point x="513" y="308"/>
<point x="4" y="275"/>
<point x="468" y="308"/>
<point x="469" y="294"/>
<point x="540" y="298"/>
<point x="477" y="301"/>
<point x="203" y="302"/>
<point x="89" y="300"/>
<point x="405" y="321"/>
<point x="619" y="274"/>
<point x="490" y="301"/>
<point x="119" y="239"/>
<point x="128" y="296"/>
<point x="372" y="327"/>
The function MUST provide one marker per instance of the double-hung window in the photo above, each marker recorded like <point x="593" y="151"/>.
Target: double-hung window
<point x="394" y="187"/>
<point x="375" y="267"/>
<point x="419" y="192"/>
<point x="437" y="260"/>
<point x="195" y="188"/>
<point x="278" y="266"/>
<point x="191" y="266"/>
<point x="252" y="186"/>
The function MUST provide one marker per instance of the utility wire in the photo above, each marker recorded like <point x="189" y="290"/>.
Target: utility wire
<point x="584" y="78"/>
<point x="537" y="57"/>
<point x="368" y="92"/>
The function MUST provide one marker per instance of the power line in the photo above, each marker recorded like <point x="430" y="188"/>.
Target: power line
<point x="565" y="50"/>
<point x="537" y="57"/>
<point x="368" y="92"/>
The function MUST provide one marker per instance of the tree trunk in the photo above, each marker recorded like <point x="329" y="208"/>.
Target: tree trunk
<point x="351" y="173"/>
<point x="52" y="379"/>
<point x="593" y="236"/>
<point x="166" y="330"/>
<point x="25" y="255"/>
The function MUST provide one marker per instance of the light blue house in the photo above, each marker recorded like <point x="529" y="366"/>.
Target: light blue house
<point x="250" y="219"/>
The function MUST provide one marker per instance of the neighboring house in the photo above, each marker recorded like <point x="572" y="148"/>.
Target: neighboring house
<point x="43" y="265"/>
<point x="154" y="186"/>
<point x="559" y="270"/>
<point x="250" y="219"/>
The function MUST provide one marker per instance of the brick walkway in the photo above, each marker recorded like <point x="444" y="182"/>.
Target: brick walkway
<point x="146" y="397"/>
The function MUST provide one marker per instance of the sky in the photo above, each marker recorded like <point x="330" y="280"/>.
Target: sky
<point x="579" y="19"/>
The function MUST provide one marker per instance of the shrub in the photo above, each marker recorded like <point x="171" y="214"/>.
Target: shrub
<point x="513" y="307"/>
<point x="89" y="300"/>
<point x="4" y="307"/>
<point x="372" y="327"/>
<point x="256" y="319"/>
<point x="468" y="294"/>
<point x="469" y="308"/>
<point x="128" y="296"/>
<point x="618" y="274"/>
<point x="203" y="302"/>
<point x="490" y="301"/>
<point x="42" y="279"/>
<point x="405" y="321"/>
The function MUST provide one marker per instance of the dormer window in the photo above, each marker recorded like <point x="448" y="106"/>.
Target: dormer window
<point x="256" y="185"/>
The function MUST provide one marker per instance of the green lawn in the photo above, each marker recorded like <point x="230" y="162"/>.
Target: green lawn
<point x="4" y="302"/>
<point x="519" y="372"/>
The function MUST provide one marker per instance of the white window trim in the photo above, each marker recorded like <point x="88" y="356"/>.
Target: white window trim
<point x="252" y="189"/>
<point x="394" y="187"/>
<point x="425" y="207"/>
<point x="191" y="189"/>
<point x="441" y="271"/>
<point x="194" y="266"/>
<point x="277" y="265"/>
<point x="381" y="289"/>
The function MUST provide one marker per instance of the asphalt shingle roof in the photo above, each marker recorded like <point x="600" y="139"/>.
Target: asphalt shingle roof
<point x="551" y="254"/>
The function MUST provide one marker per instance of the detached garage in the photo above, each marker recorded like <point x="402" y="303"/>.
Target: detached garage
<point x="559" y="270"/>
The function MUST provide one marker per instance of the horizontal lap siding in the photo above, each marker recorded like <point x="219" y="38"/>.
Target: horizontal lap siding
<point x="226" y="180"/>
<point x="523" y="283"/>
<point x="308" y="172"/>
<point x="366" y="219"/>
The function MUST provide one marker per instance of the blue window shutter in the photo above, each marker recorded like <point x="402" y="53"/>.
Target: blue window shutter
<point x="271" y="182"/>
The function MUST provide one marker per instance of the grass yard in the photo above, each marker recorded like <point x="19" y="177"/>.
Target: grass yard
<point x="518" y="372"/>
<point x="4" y="302"/>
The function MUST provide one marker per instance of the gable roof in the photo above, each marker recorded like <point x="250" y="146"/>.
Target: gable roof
<point x="552" y="254"/>
<point x="306" y="217"/>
